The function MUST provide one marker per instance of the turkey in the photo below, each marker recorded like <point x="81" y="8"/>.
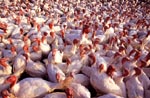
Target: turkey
<point x="78" y="91"/>
<point x="34" y="87"/>
<point x="55" y="56"/>
<point x="36" y="53"/>
<point x="101" y="80"/>
<point x="36" y="69"/>
<point x="9" y="53"/>
<point x="5" y="67"/>
<point x="19" y="64"/>
<point x="55" y="74"/>
<point x="134" y="86"/>
<point x="80" y="79"/>
<point x="7" y="82"/>
<point x="70" y="50"/>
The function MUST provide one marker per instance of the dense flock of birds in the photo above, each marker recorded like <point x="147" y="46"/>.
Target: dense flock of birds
<point x="74" y="49"/>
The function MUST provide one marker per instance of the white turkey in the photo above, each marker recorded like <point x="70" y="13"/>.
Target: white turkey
<point x="55" y="74"/>
<point x="102" y="81"/>
<point x="35" y="69"/>
<point x="55" y="56"/>
<point x="78" y="91"/>
<point x="5" y="67"/>
<point x="19" y="64"/>
<point x="134" y="86"/>
<point x="34" y="87"/>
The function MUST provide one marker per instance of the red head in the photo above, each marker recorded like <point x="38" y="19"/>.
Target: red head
<point x="142" y="64"/>
<point x="37" y="40"/>
<point x="65" y="26"/>
<point x="132" y="51"/>
<point x="135" y="36"/>
<point x="124" y="60"/>
<point x="86" y="48"/>
<point x="5" y="94"/>
<point x="13" y="49"/>
<point x="52" y="34"/>
<point x="101" y="67"/>
<point x="129" y="41"/>
<point x="25" y="38"/>
<point x="111" y="40"/>
<point x="92" y="56"/>
<point x="96" y="26"/>
<point x="110" y="70"/>
<point x="54" y="52"/>
<point x="125" y="72"/>
<point x="137" y="55"/>
<point x="66" y="42"/>
<point x="11" y="80"/>
<point x="35" y="48"/>
<point x="51" y="25"/>
<point x="21" y="31"/>
<point x="10" y="40"/>
<point x="105" y="28"/>
<point x="43" y="38"/>
<point x="82" y="53"/>
<point x="117" y="54"/>
<point x="5" y="31"/>
<point x="122" y="34"/>
<point x="85" y="29"/>
<point x="69" y="93"/>
<point x="62" y="34"/>
<point x="3" y="62"/>
<point x="26" y="48"/>
<point x="137" y="71"/>
<point x="121" y="48"/>
<point x="122" y="42"/>
<point x="81" y="47"/>
<point x="18" y="20"/>
<point x="38" y="27"/>
<point x="45" y="34"/>
<point x="75" y="41"/>
<point x="72" y="74"/>
<point x="105" y="47"/>
<point x="96" y="41"/>
<point x="1" y="36"/>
